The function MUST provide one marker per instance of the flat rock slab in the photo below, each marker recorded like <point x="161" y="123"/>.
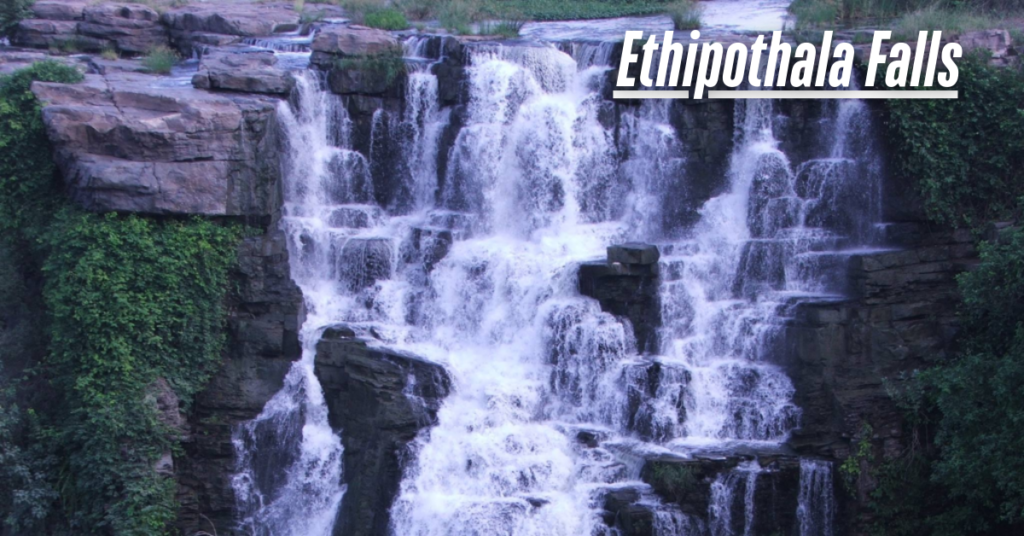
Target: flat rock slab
<point x="248" y="72"/>
<point x="247" y="20"/>
<point x="125" y="145"/>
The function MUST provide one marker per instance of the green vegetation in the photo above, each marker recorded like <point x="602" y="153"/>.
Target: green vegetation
<point x="460" y="15"/>
<point x="685" y="14"/>
<point x="932" y="18"/>
<point x="671" y="479"/>
<point x="965" y="154"/>
<point x="11" y="13"/>
<point x="133" y="305"/>
<point x="383" y="67"/>
<point x="160" y="60"/>
<point x="506" y="28"/>
<point x="979" y="397"/>
<point x="850" y="469"/>
<point x="904" y="17"/>
<point x="386" y="19"/>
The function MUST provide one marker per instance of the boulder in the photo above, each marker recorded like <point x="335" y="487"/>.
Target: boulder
<point x="124" y="145"/>
<point x="633" y="253"/>
<point x="997" y="42"/>
<point x="59" y="10"/>
<point x="627" y="288"/>
<point x="382" y="399"/>
<point x="40" y="33"/>
<point x="249" y="72"/>
<point x="366" y="261"/>
<point x="351" y="41"/>
<point x="242" y="19"/>
<point x="132" y="28"/>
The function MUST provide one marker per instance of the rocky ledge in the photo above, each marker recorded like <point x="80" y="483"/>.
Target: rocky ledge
<point x="382" y="399"/>
<point x="124" y="143"/>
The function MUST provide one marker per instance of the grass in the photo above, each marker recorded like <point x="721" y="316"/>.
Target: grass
<point x="505" y="28"/>
<point x="905" y="17"/>
<point x="386" y="19"/>
<point x="685" y="14"/>
<point x="108" y="53"/>
<point x="160" y="60"/>
<point x="933" y="18"/>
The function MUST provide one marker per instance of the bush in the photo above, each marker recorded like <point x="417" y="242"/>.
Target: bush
<point x="965" y="154"/>
<point x="129" y="301"/>
<point x="685" y="15"/>
<point x="160" y="60"/>
<point x="386" y="19"/>
<point x="979" y="396"/>
<point x="11" y="13"/>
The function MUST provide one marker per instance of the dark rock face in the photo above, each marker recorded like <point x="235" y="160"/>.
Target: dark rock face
<point x="687" y="484"/>
<point x="902" y="316"/>
<point x="253" y="72"/>
<point x="124" y="145"/>
<point x="627" y="286"/>
<point x="263" y="341"/>
<point x="381" y="399"/>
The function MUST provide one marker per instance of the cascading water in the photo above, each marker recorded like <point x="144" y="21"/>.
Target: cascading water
<point x="536" y="181"/>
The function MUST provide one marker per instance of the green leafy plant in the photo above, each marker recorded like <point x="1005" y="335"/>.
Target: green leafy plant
<point x="132" y="303"/>
<point x="850" y="469"/>
<point x="964" y="154"/>
<point x="160" y="60"/>
<point x="386" y="19"/>
<point x="11" y="13"/>
<point x="685" y="14"/>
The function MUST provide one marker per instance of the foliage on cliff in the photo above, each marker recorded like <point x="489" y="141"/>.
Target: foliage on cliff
<point x="964" y="473"/>
<point x="981" y="396"/>
<point x="966" y="154"/>
<point x="132" y="304"/>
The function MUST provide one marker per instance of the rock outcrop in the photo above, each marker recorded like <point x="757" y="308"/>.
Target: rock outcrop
<point x="124" y="27"/>
<point x="245" y="72"/>
<point x="263" y="326"/>
<point x="123" y="144"/>
<point x="626" y="285"/>
<point x="382" y="399"/>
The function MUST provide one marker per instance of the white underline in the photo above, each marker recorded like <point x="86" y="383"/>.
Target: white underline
<point x="832" y="94"/>
<point x="663" y="94"/>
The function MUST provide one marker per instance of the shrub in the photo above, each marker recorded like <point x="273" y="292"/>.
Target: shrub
<point x="11" y="13"/>
<point x="964" y="154"/>
<point x="129" y="301"/>
<point x="505" y="28"/>
<point x="685" y="14"/>
<point x="979" y="396"/>
<point x="160" y="60"/>
<point x="386" y="19"/>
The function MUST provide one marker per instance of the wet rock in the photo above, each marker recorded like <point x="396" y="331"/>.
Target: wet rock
<point x="122" y="144"/>
<point x="633" y="254"/>
<point x="351" y="41"/>
<point x="627" y="289"/>
<point x="355" y="216"/>
<point x="263" y="327"/>
<point x="250" y="72"/>
<point x="365" y="261"/>
<point x="429" y="246"/>
<point x="381" y="398"/>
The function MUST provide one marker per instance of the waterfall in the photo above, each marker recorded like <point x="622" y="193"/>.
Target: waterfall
<point x="816" y="511"/>
<point x="474" y="266"/>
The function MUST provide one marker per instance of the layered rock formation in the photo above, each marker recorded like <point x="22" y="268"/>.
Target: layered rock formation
<point x="125" y="145"/>
<point x="381" y="399"/>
